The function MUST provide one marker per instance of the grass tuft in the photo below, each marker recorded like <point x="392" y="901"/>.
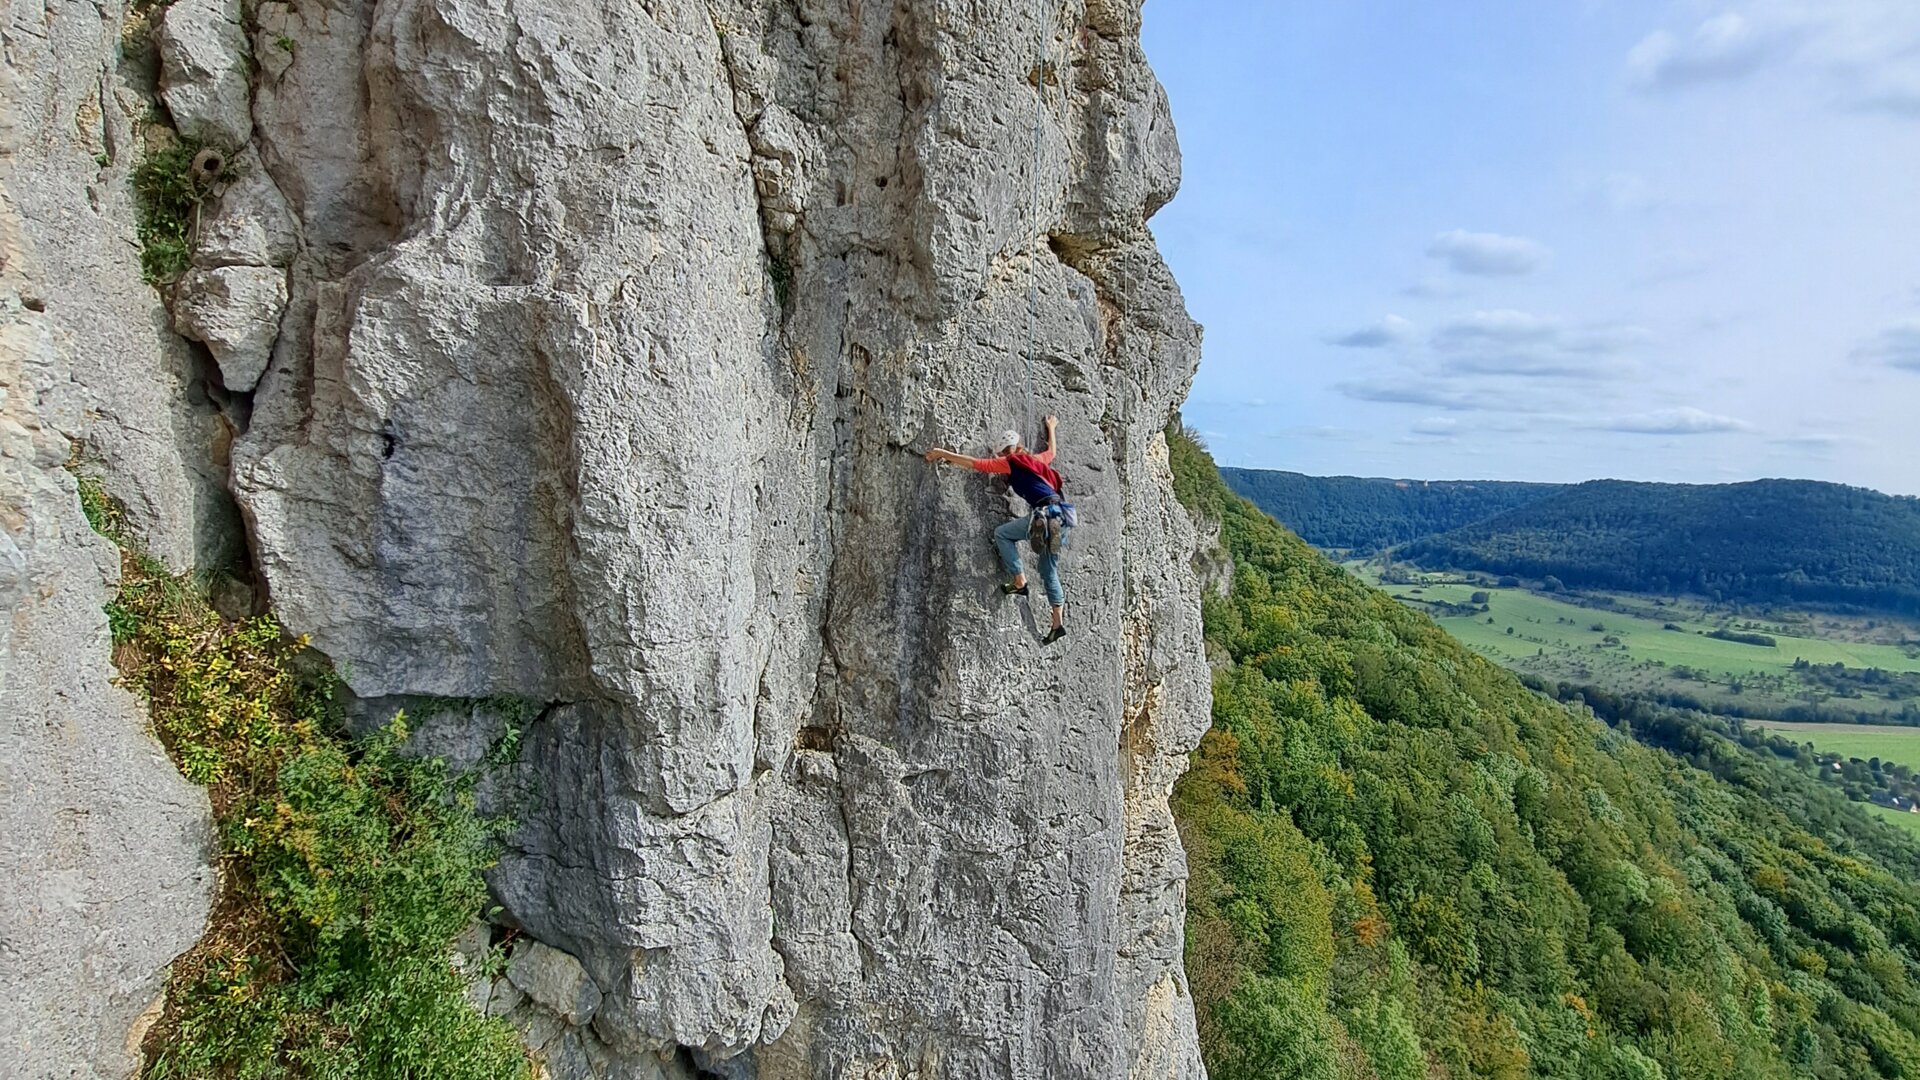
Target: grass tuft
<point x="167" y="197"/>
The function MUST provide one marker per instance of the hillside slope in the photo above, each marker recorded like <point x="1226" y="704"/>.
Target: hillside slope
<point x="1797" y="541"/>
<point x="1403" y="860"/>
<point x="1365" y="515"/>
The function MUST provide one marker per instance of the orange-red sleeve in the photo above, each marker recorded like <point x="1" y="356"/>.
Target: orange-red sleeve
<point x="995" y="465"/>
<point x="1045" y="456"/>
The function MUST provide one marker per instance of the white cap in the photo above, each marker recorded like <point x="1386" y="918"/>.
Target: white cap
<point x="1008" y="438"/>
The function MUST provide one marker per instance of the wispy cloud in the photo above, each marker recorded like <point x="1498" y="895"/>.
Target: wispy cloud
<point x="1507" y="342"/>
<point x="1538" y="366"/>
<point x="1433" y="288"/>
<point x="1321" y="433"/>
<point x="1624" y="193"/>
<point x="1428" y="392"/>
<point x="1670" y="266"/>
<point x="1391" y="330"/>
<point x="1488" y="254"/>
<point x="1726" y="46"/>
<point x="1437" y="426"/>
<point x="1504" y="327"/>
<point x="1682" y="421"/>
<point x="1454" y="395"/>
<point x="1819" y="442"/>
<point x="1897" y="346"/>
<point x="1898" y="101"/>
<point x="1865" y="53"/>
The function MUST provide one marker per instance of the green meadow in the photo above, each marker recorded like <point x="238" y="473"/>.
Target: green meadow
<point x="1909" y="822"/>
<point x="1899" y="744"/>
<point x="1643" y="644"/>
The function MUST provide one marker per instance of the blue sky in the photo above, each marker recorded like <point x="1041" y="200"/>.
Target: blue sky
<point x="1551" y="240"/>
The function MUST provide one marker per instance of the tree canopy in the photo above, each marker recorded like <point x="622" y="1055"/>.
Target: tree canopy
<point x="1794" y="541"/>
<point x="1403" y="860"/>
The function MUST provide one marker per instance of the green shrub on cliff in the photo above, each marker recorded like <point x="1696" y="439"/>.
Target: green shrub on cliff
<point x="347" y="868"/>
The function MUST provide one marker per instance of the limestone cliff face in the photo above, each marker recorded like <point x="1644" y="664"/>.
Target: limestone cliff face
<point x="605" y="338"/>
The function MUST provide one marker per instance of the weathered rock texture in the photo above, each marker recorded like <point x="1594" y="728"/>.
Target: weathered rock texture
<point x="104" y="849"/>
<point x="614" y="331"/>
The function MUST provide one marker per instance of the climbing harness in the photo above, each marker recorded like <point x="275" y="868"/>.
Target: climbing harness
<point x="1046" y="530"/>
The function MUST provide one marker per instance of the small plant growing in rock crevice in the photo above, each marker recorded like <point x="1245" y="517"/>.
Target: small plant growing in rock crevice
<point x="781" y="273"/>
<point x="166" y="199"/>
<point x="169" y="184"/>
<point x="347" y="866"/>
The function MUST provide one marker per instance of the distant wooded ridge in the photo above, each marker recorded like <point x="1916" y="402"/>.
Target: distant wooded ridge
<point x="1767" y="541"/>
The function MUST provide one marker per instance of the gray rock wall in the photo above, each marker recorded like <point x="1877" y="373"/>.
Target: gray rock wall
<point x="104" y="849"/>
<point x="612" y="334"/>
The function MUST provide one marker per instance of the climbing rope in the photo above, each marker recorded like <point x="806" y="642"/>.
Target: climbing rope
<point x="1042" y="31"/>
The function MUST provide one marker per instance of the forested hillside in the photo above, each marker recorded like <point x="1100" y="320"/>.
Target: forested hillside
<point x="1793" y="541"/>
<point x="1367" y="515"/>
<point x="1405" y="864"/>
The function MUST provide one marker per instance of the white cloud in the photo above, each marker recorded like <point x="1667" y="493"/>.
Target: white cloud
<point x="1866" y="52"/>
<point x="1623" y="193"/>
<point x="1426" y="392"/>
<point x="1442" y="426"/>
<point x="1507" y="342"/>
<point x="1433" y="288"/>
<point x="1819" y="442"/>
<point x="1391" y="330"/>
<point x="1505" y="327"/>
<point x="1448" y="394"/>
<point x="1686" y="420"/>
<point x="1537" y="365"/>
<point x="1896" y="346"/>
<point x="1488" y="254"/>
<point x="1726" y="46"/>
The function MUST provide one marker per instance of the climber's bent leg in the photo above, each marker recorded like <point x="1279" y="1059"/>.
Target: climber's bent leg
<point x="1050" y="578"/>
<point x="1007" y="539"/>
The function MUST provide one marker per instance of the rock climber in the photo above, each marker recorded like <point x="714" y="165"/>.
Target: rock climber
<point x="1032" y="478"/>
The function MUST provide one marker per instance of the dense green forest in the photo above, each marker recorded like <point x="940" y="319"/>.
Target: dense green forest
<point x="1405" y="864"/>
<point x="1769" y="541"/>
<point x="1367" y="515"/>
<point x="1794" y="541"/>
<point x="1786" y="772"/>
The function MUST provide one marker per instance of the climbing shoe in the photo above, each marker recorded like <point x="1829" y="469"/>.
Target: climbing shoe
<point x="1054" y="635"/>
<point x="1007" y="588"/>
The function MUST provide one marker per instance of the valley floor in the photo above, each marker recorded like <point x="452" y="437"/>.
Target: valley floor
<point x="1664" y="646"/>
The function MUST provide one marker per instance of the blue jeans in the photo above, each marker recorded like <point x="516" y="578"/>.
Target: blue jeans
<point x="1007" y="538"/>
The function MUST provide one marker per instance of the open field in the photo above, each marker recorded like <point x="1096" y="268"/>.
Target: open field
<point x="1909" y="822"/>
<point x="1646" y="644"/>
<point x="1900" y="744"/>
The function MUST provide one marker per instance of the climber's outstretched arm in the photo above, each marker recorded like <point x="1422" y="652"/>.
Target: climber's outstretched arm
<point x="1052" y="423"/>
<point x="948" y="457"/>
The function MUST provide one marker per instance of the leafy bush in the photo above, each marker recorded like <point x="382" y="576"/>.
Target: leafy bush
<point x="347" y="866"/>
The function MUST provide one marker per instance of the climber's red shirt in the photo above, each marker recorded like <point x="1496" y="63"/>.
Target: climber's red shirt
<point x="1030" y="475"/>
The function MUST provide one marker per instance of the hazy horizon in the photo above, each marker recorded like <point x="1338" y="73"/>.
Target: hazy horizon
<point x="1387" y="478"/>
<point x="1666" y="241"/>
